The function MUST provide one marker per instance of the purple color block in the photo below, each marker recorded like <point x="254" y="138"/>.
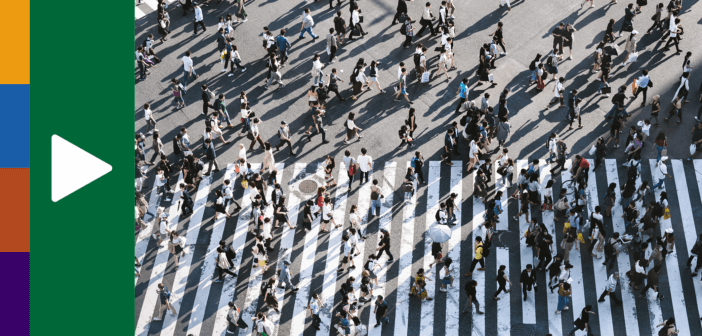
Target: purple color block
<point x="14" y="284"/>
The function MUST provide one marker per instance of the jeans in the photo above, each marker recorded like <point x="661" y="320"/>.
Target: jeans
<point x="142" y="70"/>
<point x="186" y="75"/>
<point x="562" y="302"/>
<point x="551" y="156"/>
<point x="309" y="31"/>
<point x="375" y="205"/>
<point x="507" y="178"/>
<point x="660" y="150"/>
<point x="408" y="196"/>
<point x="319" y="78"/>
<point x="659" y="183"/>
<point x="603" y="84"/>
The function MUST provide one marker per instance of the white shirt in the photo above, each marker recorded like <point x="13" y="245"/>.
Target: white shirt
<point x="316" y="67"/>
<point x="354" y="17"/>
<point x="473" y="149"/>
<point x="399" y="72"/>
<point x="347" y="161"/>
<point x="326" y="211"/>
<point x="178" y="241"/>
<point x="187" y="63"/>
<point x="242" y="153"/>
<point x="228" y="191"/>
<point x="347" y="249"/>
<point x="314" y="306"/>
<point x="160" y="181"/>
<point x="552" y="145"/>
<point x="427" y="14"/>
<point x="559" y="87"/>
<point x="198" y="14"/>
<point x="365" y="163"/>
<point x="350" y="124"/>
<point x="661" y="171"/>
<point x="147" y="114"/>
<point x="645" y="129"/>
<point x="163" y="226"/>
<point x="361" y="330"/>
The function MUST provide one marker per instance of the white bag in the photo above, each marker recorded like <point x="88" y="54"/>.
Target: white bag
<point x="693" y="149"/>
<point x="491" y="78"/>
<point x="633" y="57"/>
<point x="425" y="77"/>
<point x="163" y="24"/>
<point x="593" y="150"/>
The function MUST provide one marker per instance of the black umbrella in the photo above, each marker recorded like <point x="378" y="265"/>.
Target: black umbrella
<point x="611" y="50"/>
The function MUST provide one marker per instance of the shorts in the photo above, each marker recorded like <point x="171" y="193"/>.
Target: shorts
<point x="374" y="79"/>
<point x="446" y="280"/>
<point x="325" y="221"/>
<point x="372" y="274"/>
<point x="345" y="260"/>
<point x="404" y="91"/>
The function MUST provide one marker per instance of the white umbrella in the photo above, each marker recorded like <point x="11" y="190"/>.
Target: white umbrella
<point x="440" y="233"/>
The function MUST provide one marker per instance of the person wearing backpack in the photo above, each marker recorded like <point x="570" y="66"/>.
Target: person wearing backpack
<point x="478" y="258"/>
<point x="164" y="296"/>
<point x="417" y="162"/>
<point x="407" y="30"/>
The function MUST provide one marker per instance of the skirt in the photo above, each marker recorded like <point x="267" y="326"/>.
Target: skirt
<point x="552" y="69"/>
<point x="178" y="249"/>
<point x="357" y="87"/>
<point x="220" y="208"/>
<point x="350" y="133"/>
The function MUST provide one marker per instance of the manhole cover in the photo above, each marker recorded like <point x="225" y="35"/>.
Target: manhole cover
<point x="508" y="238"/>
<point x="308" y="187"/>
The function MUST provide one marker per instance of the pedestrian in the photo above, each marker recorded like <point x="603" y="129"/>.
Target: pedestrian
<point x="340" y="27"/>
<point x="445" y="274"/>
<point x="408" y="29"/>
<point x="652" y="282"/>
<point x="198" y="19"/>
<point x="164" y="296"/>
<point x="223" y="265"/>
<point x="642" y="84"/>
<point x="527" y="280"/>
<point x="610" y="289"/>
<point x="502" y="280"/>
<point x="332" y="85"/>
<point x="669" y="327"/>
<point x="403" y="88"/>
<point x="188" y="67"/>
<point x="285" y="137"/>
<point x="384" y="246"/>
<point x="628" y="24"/>
<point x="630" y="49"/>
<point x="674" y="35"/>
<point x="351" y="129"/>
<point x="307" y="24"/>
<point x="235" y="59"/>
<point x="175" y="246"/>
<point x="564" y="292"/>
<point x="583" y="322"/>
<point x="211" y="157"/>
<point x="568" y="39"/>
<point x="575" y="114"/>
<point x="365" y="164"/>
<point x="178" y="93"/>
<point x="317" y="73"/>
<point x="314" y="307"/>
<point x="356" y="20"/>
<point x="558" y="93"/>
<point x="286" y="276"/>
<point x="234" y="319"/>
<point x="660" y="173"/>
<point x="380" y="310"/>
<point x="426" y="20"/>
<point x="478" y="257"/>
<point x="557" y="34"/>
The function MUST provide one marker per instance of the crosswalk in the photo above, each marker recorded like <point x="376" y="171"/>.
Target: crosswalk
<point x="201" y="304"/>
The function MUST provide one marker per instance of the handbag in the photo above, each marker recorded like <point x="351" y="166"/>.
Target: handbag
<point x="693" y="149"/>
<point x="664" y="152"/>
<point x="566" y="227"/>
<point x="666" y="214"/>
<point x="606" y="90"/>
<point x="176" y="93"/>
<point x="581" y="239"/>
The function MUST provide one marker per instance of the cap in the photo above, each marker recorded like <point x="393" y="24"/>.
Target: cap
<point x="283" y="122"/>
<point x="286" y="262"/>
<point x="164" y="215"/>
<point x="664" y="158"/>
<point x="669" y="230"/>
<point x="634" y="32"/>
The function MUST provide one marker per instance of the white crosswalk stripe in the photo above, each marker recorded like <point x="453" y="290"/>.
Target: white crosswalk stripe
<point x="209" y="310"/>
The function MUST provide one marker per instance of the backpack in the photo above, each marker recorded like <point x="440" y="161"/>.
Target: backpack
<point x="464" y="120"/>
<point x="615" y="98"/>
<point x="208" y="122"/>
<point x="632" y="171"/>
<point x="549" y="60"/>
<point x="167" y="292"/>
<point x="437" y="217"/>
<point x="532" y="66"/>
<point x="403" y="29"/>
<point x="417" y="59"/>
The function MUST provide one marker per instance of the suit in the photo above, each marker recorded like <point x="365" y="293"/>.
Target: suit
<point x="527" y="280"/>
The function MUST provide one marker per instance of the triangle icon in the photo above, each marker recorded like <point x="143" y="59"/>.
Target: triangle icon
<point x="65" y="178"/>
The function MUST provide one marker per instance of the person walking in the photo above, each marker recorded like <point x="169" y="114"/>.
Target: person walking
<point x="384" y="246"/>
<point x="652" y="282"/>
<point x="583" y="322"/>
<point x="211" y="157"/>
<point x="380" y="310"/>
<point x="401" y="11"/>
<point x="314" y="307"/>
<point x="164" y="296"/>
<point x="610" y="289"/>
<point x="307" y="24"/>
<point x="188" y="68"/>
<point x="426" y="20"/>
<point x="285" y="137"/>
<point x="564" y="292"/>
<point x="409" y="30"/>
<point x="642" y="84"/>
<point x="472" y="299"/>
<point x="356" y="23"/>
<point x="234" y="319"/>
<point x="660" y="173"/>
<point x="402" y="87"/>
<point x="478" y="258"/>
<point x="527" y="280"/>
<point x="198" y="19"/>
<point x="502" y="280"/>
<point x="668" y="327"/>
<point x="365" y="164"/>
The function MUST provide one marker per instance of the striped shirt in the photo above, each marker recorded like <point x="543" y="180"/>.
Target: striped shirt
<point x="611" y="284"/>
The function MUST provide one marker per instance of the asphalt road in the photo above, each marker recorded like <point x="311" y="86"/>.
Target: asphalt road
<point x="526" y="27"/>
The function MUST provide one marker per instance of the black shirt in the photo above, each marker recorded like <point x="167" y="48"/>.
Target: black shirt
<point x="543" y="248"/>
<point x="306" y="211"/>
<point x="385" y="241"/>
<point x="470" y="289"/>
<point x="558" y="32"/>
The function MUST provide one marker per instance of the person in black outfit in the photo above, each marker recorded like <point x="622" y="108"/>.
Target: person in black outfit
<point x="544" y="249"/>
<point x="527" y="280"/>
<point x="582" y="323"/>
<point x="331" y="6"/>
<point x="557" y="34"/>
<point x="385" y="246"/>
<point x="187" y="202"/>
<point x="332" y="85"/>
<point x="206" y="100"/>
<point x="426" y="21"/>
<point x="418" y="162"/>
<point x="401" y="9"/>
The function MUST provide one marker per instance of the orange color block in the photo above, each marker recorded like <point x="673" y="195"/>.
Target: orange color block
<point x="15" y="42"/>
<point x="14" y="210"/>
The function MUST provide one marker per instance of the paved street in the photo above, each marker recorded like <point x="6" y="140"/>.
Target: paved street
<point x="202" y="304"/>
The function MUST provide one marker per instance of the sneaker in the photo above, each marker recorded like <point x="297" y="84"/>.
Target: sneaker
<point x="443" y="290"/>
<point x="156" y="319"/>
<point x="230" y="74"/>
<point x="218" y="280"/>
<point x="244" y="69"/>
<point x="391" y="261"/>
<point x="224" y="70"/>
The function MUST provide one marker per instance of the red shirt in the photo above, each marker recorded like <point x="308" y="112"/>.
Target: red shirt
<point x="584" y="164"/>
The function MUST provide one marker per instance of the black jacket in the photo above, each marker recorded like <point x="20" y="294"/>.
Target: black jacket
<point x="526" y="278"/>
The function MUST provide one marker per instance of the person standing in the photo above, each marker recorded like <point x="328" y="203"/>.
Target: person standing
<point x="188" y="68"/>
<point x="332" y="45"/>
<point x="365" y="164"/>
<point x="317" y="73"/>
<point x="527" y="279"/>
<point x="164" y="296"/>
<point x="307" y="24"/>
<point x="141" y="60"/>
<point x="557" y="34"/>
<point x="380" y="310"/>
<point x="198" y="19"/>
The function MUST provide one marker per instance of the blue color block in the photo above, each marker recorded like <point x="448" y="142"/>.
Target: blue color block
<point x="14" y="125"/>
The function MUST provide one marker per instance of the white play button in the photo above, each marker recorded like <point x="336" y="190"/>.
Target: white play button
<point x="72" y="168"/>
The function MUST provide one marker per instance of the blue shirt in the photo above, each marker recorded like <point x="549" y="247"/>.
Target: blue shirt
<point x="282" y="42"/>
<point x="464" y="90"/>
<point x="642" y="82"/>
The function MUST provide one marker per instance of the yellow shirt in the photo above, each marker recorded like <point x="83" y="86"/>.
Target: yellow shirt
<point x="479" y="251"/>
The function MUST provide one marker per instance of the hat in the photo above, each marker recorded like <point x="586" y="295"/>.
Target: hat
<point x="283" y="122"/>
<point x="286" y="262"/>
<point x="164" y="215"/>
<point x="634" y="32"/>
<point x="669" y="230"/>
<point x="664" y="158"/>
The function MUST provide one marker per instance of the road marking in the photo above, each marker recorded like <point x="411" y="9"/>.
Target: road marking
<point x="577" y="287"/>
<point x="555" y="323"/>
<point x="526" y="256"/>
<point x="677" y="297"/>
<point x="453" y="294"/>
<point x="333" y="252"/>
<point x="138" y="13"/>
<point x="504" y="323"/>
<point x="628" y="293"/>
<point x="144" y="236"/>
<point x="426" y="327"/>
<point x="478" y="276"/>
<point x="160" y="263"/>
<point x="405" y="260"/>
<point x="384" y="222"/>
<point x="297" y="323"/>
<point x="190" y="236"/>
